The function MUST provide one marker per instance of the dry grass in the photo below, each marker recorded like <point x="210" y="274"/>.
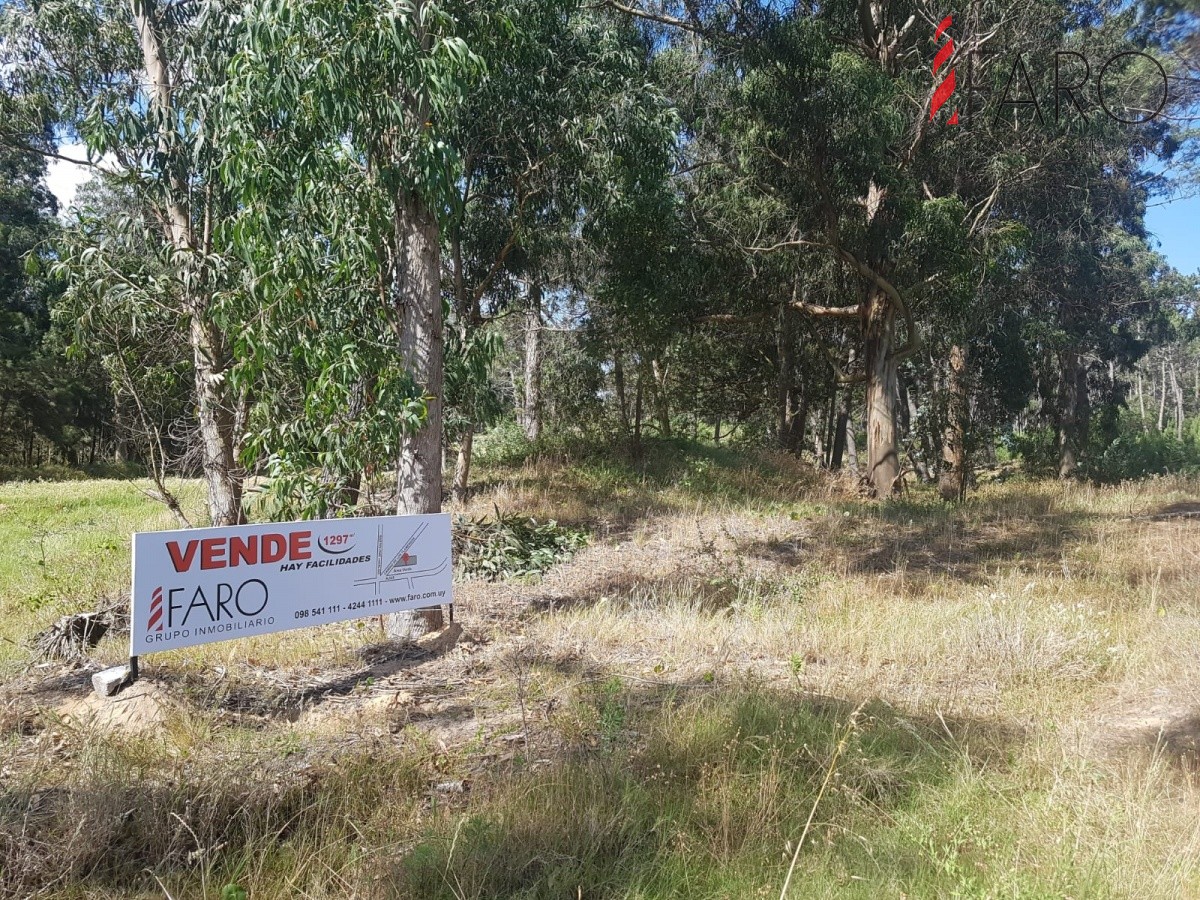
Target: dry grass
<point x="655" y="717"/>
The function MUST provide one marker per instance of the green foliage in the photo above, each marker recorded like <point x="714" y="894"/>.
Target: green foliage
<point x="49" y="409"/>
<point x="1136" y="454"/>
<point x="1133" y="454"/>
<point x="1038" y="450"/>
<point x="511" y="545"/>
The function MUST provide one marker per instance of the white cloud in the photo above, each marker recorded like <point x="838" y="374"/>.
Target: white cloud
<point x="64" y="178"/>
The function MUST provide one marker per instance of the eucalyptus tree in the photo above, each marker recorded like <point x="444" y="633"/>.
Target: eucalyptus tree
<point x="135" y="82"/>
<point x="523" y="134"/>
<point x="826" y="139"/>
<point x="563" y="125"/>
<point x="376" y="88"/>
<point x="43" y="404"/>
<point x="1087" y="279"/>
<point x="117" y="266"/>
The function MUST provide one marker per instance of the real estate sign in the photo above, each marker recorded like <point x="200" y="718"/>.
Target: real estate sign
<point x="212" y="584"/>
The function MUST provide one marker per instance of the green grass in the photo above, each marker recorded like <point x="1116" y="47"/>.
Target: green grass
<point x="65" y="547"/>
<point x="679" y="719"/>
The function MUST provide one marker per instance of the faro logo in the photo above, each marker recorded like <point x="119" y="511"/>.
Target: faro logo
<point x="181" y="607"/>
<point x="946" y="88"/>
<point x="156" y="613"/>
<point x="1129" y="87"/>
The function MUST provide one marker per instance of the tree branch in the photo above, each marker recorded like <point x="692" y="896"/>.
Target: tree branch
<point x="660" y="18"/>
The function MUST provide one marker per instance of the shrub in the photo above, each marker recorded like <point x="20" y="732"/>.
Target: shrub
<point x="1139" y="455"/>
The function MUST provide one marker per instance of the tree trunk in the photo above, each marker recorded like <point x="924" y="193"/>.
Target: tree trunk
<point x="851" y="443"/>
<point x="619" y="388"/>
<point x="462" y="465"/>
<point x="638" y="392"/>
<point x="662" y="402"/>
<point x="216" y="416"/>
<point x="785" y="351"/>
<point x="417" y="302"/>
<point x="799" y="426"/>
<point x="215" y="411"/>
<point x="1177" y="392"/>
<point x="919" y="450"/>
<point x="1141" y="401"/>
<point x="828" y="430"/>
<point x="1162" y="398"/>
<point x="843" y="437"/>
<point x="883" y="457"/>
<point x="121" y="443"/>
<point x="952" y="483"/>
<point x="1074" y="414"/>
<point x="840" y="428"/>
<point x="532" y="411"/>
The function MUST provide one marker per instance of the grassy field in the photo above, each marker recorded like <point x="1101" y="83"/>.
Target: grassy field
<point x="749" y="670"/>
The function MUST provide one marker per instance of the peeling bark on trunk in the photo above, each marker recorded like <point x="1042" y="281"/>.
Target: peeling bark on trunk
<point x="952" y="483"/>
<point x="909" y="414"/>
<point x="883" y="457"/>
<point x="417" y="300"/>
<point x="416" y="296"/>
<point x="215" y="408"/>
<point x="532" y="412"/>
<point x="216" y="426"/>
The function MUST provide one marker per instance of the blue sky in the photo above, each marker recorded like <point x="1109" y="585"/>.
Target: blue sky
<point x="1176" y="226"/>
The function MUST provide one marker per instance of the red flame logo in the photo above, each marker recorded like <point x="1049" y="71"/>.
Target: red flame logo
<point x="946" y="88"/>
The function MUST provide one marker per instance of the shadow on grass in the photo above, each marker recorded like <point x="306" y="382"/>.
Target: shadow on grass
<point x="612" y="487"/>
<point x="705" y="593"/>
<point x="680" y="793"/>
<point x="287" y="696"/>
<point x="932" y="540"/>
<point x="636" y="790"/>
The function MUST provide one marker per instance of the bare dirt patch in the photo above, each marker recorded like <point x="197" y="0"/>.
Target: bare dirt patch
<point x="141" y="708"/>
<point x="1163" y="723"/>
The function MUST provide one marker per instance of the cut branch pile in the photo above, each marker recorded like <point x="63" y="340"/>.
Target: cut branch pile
<point x="73" y="636"/>
<point x="512" y="545"/>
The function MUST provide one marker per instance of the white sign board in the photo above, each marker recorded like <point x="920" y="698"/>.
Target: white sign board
<point x="212" y="584"/>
